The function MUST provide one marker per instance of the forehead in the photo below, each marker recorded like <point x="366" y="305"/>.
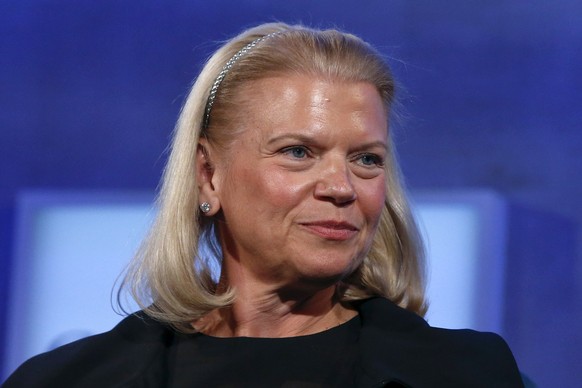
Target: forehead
<point x="296" y="100"/>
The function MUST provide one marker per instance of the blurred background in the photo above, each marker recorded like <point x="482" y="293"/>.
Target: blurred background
<point x="490" y="94"/>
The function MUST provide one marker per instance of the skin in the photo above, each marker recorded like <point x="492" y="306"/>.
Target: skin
<point x="299" y="195"/>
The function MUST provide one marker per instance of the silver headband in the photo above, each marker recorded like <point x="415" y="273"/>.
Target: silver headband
<point x="225" y="70"/>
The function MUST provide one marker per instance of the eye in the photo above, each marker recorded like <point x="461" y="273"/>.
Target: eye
<point x="370" y="160"/>
<point x="298" y="152"/>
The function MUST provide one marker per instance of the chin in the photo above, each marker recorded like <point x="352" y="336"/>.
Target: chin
<point x="326" y="275"/>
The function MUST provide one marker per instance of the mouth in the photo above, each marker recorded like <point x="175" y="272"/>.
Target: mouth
<point x="331" y="230"/>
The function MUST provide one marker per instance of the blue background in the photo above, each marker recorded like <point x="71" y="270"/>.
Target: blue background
<point x="90" y="91"/>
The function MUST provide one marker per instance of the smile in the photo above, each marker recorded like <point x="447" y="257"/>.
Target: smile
<point x="331" y="230"/>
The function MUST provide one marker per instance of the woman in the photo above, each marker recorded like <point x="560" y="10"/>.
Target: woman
<point x="282" y="172"/>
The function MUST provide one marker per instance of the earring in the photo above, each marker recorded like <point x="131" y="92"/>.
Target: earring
<point x="205" y="207"/>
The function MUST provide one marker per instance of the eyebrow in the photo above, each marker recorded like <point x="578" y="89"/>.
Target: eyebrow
<point x="307" y="139"/>
<point x="292" y="136"/>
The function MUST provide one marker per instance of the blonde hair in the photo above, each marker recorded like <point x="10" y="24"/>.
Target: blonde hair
<point x="170" y="278"/>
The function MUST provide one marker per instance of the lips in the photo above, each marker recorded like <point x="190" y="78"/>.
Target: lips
<point x="331" y="230"/>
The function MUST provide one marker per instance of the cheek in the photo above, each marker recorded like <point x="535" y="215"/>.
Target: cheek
<point x="281" y="188"/>
<point x="373" y="199"/>
<point x="262" y="193"/>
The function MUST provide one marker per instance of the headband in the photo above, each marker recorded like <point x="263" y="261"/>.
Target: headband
<point x="224" y="72"/>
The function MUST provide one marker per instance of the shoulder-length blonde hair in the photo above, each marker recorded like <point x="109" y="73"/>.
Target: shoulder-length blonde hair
<point x="171" y="277"/>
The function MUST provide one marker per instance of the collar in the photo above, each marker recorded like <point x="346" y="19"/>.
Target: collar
<point x="383" y="323"/>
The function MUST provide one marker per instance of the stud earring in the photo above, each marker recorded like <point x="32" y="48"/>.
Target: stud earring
<point x="205" y="207"/>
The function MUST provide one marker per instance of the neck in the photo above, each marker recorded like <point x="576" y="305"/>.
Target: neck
<point x="272" y="313"/>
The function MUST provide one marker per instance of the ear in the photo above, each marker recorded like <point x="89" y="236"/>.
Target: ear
<point x="205" y="174"/>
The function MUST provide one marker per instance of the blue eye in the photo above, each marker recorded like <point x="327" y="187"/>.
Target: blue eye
<point x="296" y="152"/>
<point x="370" y="160"/>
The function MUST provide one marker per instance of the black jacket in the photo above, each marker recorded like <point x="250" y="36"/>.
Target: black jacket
<point x="397" y="348"/>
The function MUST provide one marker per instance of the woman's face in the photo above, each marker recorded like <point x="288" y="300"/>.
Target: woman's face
<point x="303" y="185"/>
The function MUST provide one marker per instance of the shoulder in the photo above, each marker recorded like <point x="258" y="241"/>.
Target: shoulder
<point x="400" y="341"/>
<point x="101" y="360"/>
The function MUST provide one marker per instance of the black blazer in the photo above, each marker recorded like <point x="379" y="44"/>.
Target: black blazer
<point x="397" y="349"/>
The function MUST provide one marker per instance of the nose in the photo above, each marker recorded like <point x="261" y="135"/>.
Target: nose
<point x="335" y="184"/>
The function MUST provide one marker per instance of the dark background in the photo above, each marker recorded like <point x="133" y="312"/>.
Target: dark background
<point x="90" y="91"/>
